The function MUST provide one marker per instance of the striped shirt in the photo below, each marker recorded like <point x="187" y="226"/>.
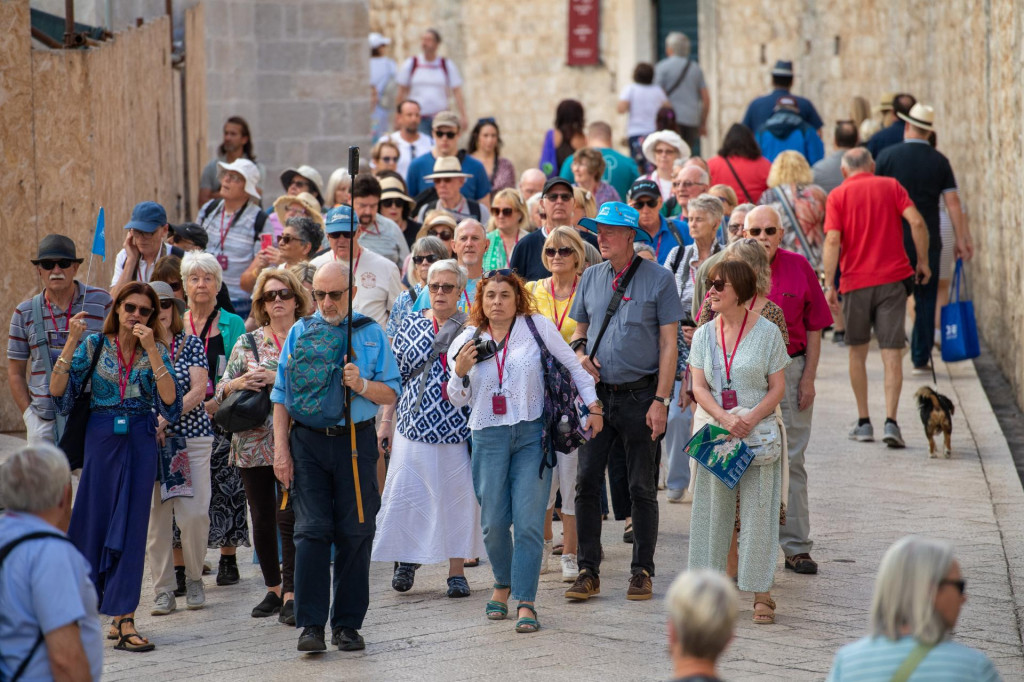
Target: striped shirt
<point x="23" y="342"/>
<point x="875" y="659"/>
<point x="234" y="237"/>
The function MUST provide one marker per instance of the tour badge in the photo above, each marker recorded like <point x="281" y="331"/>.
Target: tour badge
<point x="121" y="425"/>
<point x="223" y="260"/>
<point x="444" y="392"/>
<point x="498" y="405"/>
<point x="729" y="399"/>
<point x="367" y="280"/>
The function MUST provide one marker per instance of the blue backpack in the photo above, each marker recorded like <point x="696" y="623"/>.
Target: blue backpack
<point x="314" y="388"/>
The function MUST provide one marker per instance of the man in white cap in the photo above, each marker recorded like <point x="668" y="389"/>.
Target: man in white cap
<point x="762" y="107"/>
<point x="237" y="144"/>
<point x="448" y="180"/>
<point x="382" y="78"/>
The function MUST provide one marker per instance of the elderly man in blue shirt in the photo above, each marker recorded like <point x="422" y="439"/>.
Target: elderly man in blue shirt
<point x="316" y="465"/>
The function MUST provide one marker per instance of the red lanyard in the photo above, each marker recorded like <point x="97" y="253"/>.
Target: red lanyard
<point x="752" y="302"/>
<point x="504" y="354"/>
<point x="615" y="279"/>
<point x="468" y="304"/>
<point x="277" y="341"/>
<point x="53" y="318"/>
<point x="657" y="249"/>
<point x="728" y="362"/>
<point x="122" y="378"/>
<point x="206" y="340"/>
<point x="223" y="232"/>
<point x="559" y="321"/>
<point x="443" y="357"/>
<point x="356" y="266"/>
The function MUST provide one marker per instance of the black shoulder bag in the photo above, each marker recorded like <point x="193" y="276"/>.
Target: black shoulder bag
<point x="72" y="441"/>
<point x="613" y="304"/>
<point x="245" y="409"/>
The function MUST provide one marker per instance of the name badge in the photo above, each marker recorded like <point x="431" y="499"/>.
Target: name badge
<point x="444" y="391"/>
<point x="729" y="400"/>
<point x="121" y="426"/>
<point x="498" y="405"/>
<point x="223" y="260"/>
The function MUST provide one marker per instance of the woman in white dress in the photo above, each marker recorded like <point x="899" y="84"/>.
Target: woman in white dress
<point x="429" y="513"/>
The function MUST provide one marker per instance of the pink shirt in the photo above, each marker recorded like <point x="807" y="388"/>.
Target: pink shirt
<point x="796" y="290"/>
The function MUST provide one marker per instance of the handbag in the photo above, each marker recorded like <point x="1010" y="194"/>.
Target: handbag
<point x="959" y="327"/>
<point x="72" y="442"/>
<point x="245" y="409"/>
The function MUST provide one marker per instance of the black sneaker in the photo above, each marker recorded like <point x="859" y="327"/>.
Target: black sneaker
<point x="287" y="615"/>
<point x="458" y="587"/>
<point x="347" y="639"/>
<point x="405" y="575"/>
<point x="179" y="578"/>
<point x="227" y="570"/>
<point x="312" y="639"/>
<point x="270" y="605"/>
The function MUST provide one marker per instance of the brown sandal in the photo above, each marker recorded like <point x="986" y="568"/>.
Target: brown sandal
<point x="764" y="619"/>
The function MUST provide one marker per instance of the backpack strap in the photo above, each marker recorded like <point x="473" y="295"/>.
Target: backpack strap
<point x="261" y="220"/>
<point x="40" y="328"/>
<point x="474" y="209"/>
<point x="613" y="304"/>
<point x="210" y="209"/>
<point x="679" y="240"/>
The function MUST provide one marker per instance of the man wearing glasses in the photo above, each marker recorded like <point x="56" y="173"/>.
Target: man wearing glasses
<point x="144" y="244"/>
<point x="377" y="279"/>
<point x="557" y="204"/>
<point x="39" y="328"/>
<point x="446" y="129"/>
<point x="645" y="197"/>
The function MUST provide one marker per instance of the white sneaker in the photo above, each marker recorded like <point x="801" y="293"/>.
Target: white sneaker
<point x="164" y="604"/>
<point x="570" y="569"/>
<point x="195" y="594"/>
<point x="545" y="558"/>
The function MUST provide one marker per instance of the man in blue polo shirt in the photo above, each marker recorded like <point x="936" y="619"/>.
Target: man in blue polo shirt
<point x="645" y="197"/>
<point x="759" y="111"/>
<point x="446" y="143"/>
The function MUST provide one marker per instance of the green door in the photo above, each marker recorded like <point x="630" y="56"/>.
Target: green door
<point x="676" y="15"/>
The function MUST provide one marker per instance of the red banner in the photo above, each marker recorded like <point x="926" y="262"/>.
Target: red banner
<point x="584" y="29"/>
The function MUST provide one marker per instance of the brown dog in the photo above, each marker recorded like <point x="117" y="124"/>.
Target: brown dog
<point x="936" y="415"/>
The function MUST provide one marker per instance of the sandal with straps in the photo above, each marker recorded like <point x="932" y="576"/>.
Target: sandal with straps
<point x="124" y="642"/>
<point x="764" y="618"/>
<point x="526" y="624"/>
<point x="497" y="610"/>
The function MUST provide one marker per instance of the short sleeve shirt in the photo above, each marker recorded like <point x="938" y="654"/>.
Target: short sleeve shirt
<point x="795" y="289"/>
<point x="926" y="175"/>
<point x="187" y="352"/>
<point x="235" y="237"/>
<point x="685" y="99"/>
<point x="629" y="348"/>
<point x="430" y="82"/>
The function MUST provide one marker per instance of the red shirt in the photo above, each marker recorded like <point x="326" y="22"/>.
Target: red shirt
<point x="753" y="173"/>
<point x="867" y="211"/>
<point x="796" y="290"/>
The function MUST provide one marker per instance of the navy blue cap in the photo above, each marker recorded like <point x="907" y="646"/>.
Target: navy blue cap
<point x="554" y="182"/>
<point x="617" y="214"/>
<point x="644" y="188"/>
<point x="147" y="216"/>
<point x="339" y="219"/>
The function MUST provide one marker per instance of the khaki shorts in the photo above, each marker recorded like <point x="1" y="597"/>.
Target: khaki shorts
<point x="883" y="307"/>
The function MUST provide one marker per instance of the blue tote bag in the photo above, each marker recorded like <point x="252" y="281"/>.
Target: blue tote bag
<point x="959" y="328"/>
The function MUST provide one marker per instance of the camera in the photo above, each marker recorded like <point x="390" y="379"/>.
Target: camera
<point x="485" y="349"/>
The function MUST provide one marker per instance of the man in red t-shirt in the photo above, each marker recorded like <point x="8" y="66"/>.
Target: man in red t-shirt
<point x="862" y="217"/>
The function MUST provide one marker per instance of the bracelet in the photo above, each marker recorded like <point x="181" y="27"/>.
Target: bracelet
<point x="60" y="359"/>
<point x="385" y="421"/>
<point x="158" y="376"/>
<point x="362" y="390"/>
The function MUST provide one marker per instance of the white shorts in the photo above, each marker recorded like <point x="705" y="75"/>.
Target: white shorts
<point x="38" y="430"/>
<point x="563" y="477"/>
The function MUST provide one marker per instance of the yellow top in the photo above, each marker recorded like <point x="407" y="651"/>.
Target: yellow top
<point x="552" y="309"/>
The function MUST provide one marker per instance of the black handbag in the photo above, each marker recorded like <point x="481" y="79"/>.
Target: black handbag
<point x="246" y="409"/>
<point x="72" y="441"/>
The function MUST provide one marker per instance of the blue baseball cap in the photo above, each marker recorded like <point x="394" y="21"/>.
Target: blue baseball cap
<point x="617" y="214"/>
<point x="339" y="219"/>
<point x="147" y="216"/>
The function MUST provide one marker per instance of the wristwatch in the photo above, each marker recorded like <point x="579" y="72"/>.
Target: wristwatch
<point x="598" y="404"/>
<point x="827" y="288"/>
<point x="577" y="344"/>
<point x="667" y="402"/>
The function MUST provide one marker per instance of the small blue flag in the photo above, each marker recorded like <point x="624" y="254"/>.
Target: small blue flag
<point x="99" y="242"/>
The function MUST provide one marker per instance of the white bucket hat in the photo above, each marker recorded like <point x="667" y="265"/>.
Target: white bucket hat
<point x="668" y="137"/>
<point x="248" y="170"/>
<point x="447" y="167"/>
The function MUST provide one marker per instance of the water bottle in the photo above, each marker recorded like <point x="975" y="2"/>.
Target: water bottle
<point x="563" y="425"/>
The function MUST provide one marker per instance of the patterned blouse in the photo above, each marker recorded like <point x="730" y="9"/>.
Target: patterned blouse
<point x="436" y="420"/>
<point x="255" y="447"/>
<point x="141" y="395"/>
<point x="502" y="177"/>
<point x="401" y="308"/>
<point x="187" y="352"/>
<point x="604" y="193"/>
<point x="495" y="257"/>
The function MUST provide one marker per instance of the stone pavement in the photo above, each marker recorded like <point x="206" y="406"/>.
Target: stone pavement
<point x="863" y="497"/>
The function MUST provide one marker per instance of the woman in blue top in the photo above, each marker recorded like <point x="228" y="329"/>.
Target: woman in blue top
<point x="919" y="592"/>
<point x="132" y="383"/>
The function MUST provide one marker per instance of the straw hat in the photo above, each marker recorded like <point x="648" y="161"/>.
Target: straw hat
<point x="392" y="188"/>
<point x="308" y="202"/>
<point x="447" y="167"/>
<point x="921" y="116"/>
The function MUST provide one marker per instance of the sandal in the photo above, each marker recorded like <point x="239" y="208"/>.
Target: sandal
<point x="112" y="632"/>
<point x="558" y="549"/>
<point x="124" y="642"/>
<point x="526" y="624"/>
<point x="764" y="618"/>
<point x="471" y="563"/>
<point x="497" y="610"/>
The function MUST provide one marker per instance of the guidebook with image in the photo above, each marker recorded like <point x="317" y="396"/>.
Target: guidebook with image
<point x="727" y="458"/>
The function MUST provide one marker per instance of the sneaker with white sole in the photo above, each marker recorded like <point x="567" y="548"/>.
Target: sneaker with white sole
<point x="892" y="437"/>
<point x="674" y="496"/>
<point x="164" y="604"/>
<point x="195" y="594"/>
<point x="570" y="569"/>
<point x="862" y="433"/>
<point x="545" y="559"/>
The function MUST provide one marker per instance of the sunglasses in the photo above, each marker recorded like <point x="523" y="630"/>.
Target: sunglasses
<point x="450" y="134"/>
<point x="494" y="273"/>
<point x="287" y="239"/>
<point x="960" y="585"/>
<point x="338" y="235"/>
<point x="144" y="311"/>
<point x="430" y="258"/>
<point x="756" y="231"/>
<point x="558" y="196"/>
<point x="282" y="294"/>
<point x="641" y="203"/>
<point x="563" y="251"/>
<point x="388" y="159"/>
<point x="716" y="284"/>
<point x="335" y="295"/>
<point x="687" y="185"/>
<point x="63" y="264"/>
<point x="301" y="184"/>
<point x="165" y="303"/>
<point x="443" y="235"/>
<point x="506" y="212"/>
<point x="446" y="288"/>
<point x="391" y="203"/>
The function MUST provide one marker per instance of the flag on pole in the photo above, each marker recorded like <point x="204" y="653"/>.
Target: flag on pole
<point x="99" y="242"/>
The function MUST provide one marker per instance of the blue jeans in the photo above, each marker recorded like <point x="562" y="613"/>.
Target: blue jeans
<point x="506" y="468"/>
<point x="677" y="435"/>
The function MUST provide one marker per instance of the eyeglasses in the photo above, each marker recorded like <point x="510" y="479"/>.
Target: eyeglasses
<point x="563" y="251"/>
<point x="687" y="185"/>
<point x="716" y="284"/>
<point x="735" y="228"/>
<point x="558" y="196"/>
<point x="63" y="264"/>
<point x="388" y="159"/>
<point x="494" y="273"/>
<point x="506" y="212"/>
<point x="175" y="286"/>
<point x="641" y="203"/>
<point x="165" y="303"/>
<point x="139" y="234"/>
<point x="756" y="231"/>
<point x="274" y="294"/>
<point x="301" y="184"/>
<point x="960" y="585"/>
<point x="391" y="203"/>
<point x="430" y="258"/>
<point x="335" y="295"/>
<point x="450" y="134"/>
<point x="287" y="239"/>
<point x="446" y="288"/>
<point x="443" y="235"/>
<point x="144" y="311"/>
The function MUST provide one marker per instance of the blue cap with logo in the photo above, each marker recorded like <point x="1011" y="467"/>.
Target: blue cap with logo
<point x="147" y="216"/>
<point x="339" y="219"/>
<point x="617" y="214"/>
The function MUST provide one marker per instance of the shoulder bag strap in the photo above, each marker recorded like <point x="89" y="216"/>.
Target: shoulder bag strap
<point x="613" y="304"/>
<point x="681" y="78"/>
<point x="675" y="233"/>
<point x="95" y="356"/>
<point x="780" y="191"/>
<point x="735" y="175"/>
<point x="910" y="663"/>
<point x="252" y="344"/>
<point x="40" y="328"/>
<point x="449" y="330"/>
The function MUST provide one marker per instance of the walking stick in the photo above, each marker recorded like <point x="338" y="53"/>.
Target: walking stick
<point x="353" y="170"/>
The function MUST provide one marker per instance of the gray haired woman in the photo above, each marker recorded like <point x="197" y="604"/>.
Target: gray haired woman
<point x="425" y="252"/>
<point x="919" y="592"/>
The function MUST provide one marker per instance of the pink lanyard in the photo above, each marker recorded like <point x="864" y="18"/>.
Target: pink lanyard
<point x="53" y="318"/>
<point x="554" y="304"/>
<point x="728" y="362"/>
<point x="122" y="379"/>
<point x="504" y="354"/>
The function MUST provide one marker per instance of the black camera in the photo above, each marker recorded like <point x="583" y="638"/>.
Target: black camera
<point x="485" y="349"/>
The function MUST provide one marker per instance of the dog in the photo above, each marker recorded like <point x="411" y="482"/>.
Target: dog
<point x="936" y="415"/>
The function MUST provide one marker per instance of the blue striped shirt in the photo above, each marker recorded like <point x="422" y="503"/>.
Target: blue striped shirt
<point x="875" y="659"/>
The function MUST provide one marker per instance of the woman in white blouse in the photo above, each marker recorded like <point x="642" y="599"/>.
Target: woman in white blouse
<point x="504" y="387"/>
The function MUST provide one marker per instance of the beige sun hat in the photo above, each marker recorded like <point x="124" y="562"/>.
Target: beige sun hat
<point x="448" y="167"/>
<point x="920" y="116"/>
<point x="308" y="202"/>
<point x="392" y="188"/>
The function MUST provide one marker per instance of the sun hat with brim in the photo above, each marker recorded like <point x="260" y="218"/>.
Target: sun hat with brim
<point x="56" y="247"/>
<point x="668" y="137"/>
<point x="447" y="167"/>
<point x="339" y="219"/>
<point x="248" y="170"/>
<point x="617" y="214"/>
<point x="147" y="216"/>
<point x="392" y="188"/>
<point x="165" y="293"/>
<point x="920" y="116"/>
<point x="885" y="104"/>
<point x="311" y="174"/>
<point x="443" y="219"/>
<point x="308" y="202"/>
<point x="782" y="68"/>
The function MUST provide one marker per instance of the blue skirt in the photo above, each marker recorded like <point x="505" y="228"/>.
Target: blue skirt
<point x="110" y="517"/>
